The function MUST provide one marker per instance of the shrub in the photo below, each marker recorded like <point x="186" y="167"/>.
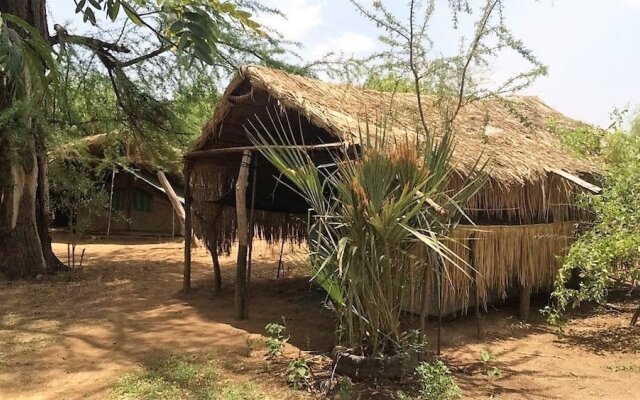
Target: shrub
<point x="275" y="340"/>
<point x="436" y="382"/>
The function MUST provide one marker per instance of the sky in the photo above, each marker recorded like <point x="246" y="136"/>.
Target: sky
<point x="592" y="47"/>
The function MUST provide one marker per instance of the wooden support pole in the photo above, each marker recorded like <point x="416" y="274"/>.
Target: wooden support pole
<point x="439" y="278"/>
<point x="280" y="258"/>
<point x="426" y="297"/>
<point x="243" y="236"/>
<point x="525" y="301"/>
<point x="113" y="176"/>
<point x="636" y="315"/>
<point x="173" y="198"/>
<point x="217" y="275"/>
<point x="476" y="291"/>
<point x="253" y="202"/>
<point x="186" y="277"/>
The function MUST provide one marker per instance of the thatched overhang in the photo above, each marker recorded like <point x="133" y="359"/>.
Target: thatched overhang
<point x="531" y="179"/>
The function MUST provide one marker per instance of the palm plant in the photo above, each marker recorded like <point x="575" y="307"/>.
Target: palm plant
<point x="372" y="214"/>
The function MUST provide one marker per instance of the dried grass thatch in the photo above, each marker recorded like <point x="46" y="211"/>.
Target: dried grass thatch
<point x="525" y="182"/>
<point x="504" y="257"/>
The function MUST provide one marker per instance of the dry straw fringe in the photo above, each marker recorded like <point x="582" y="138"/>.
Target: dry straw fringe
<point x="504" y="257"/>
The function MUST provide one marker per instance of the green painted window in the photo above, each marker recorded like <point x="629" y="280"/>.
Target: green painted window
<point x="141" y="201"/>
<point x="117" y="202"/>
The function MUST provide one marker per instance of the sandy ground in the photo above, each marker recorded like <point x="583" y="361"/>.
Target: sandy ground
<point x="72" y="336"/>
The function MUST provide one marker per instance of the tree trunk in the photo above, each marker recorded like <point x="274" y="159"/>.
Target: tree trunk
<point x="25" y="244"/>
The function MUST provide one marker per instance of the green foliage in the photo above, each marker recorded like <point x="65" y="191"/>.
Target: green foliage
<point x="275" y="340"/>
<point x="182" y="377"/>
<point x="436" y="382"/>
<point x="413" y="61"/>
<point x="26" y="58"/>
<point x="608" y="250"/>
<point x="369" y="215"/>
<point x="389" y="83"/>
<point x="492" y="371"/>
<point x="298" y="373"/>
<point x="344" y="389"/>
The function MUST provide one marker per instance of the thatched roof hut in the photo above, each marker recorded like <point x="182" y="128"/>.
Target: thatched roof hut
<point x="526" y="207"/>
<point x="128" y="173"/>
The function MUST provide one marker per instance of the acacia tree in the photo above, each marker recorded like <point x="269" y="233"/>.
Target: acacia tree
<point x="215" y="33"/>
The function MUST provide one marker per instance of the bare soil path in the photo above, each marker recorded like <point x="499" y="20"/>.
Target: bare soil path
<point x="73" y="336"/>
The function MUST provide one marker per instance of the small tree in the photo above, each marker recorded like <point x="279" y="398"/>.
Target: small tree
<point x="607" y="253"/>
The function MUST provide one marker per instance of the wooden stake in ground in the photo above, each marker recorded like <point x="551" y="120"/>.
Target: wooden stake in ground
<point x="636" y="315"/>
<point x="280" y="258"/>
<point x="243" y="236"/>
<point x="217" y="275"/>
<point x="186" y="277"/>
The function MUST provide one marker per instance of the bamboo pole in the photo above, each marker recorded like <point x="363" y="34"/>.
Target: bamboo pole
<point x="243" y="236"/>
<point x="186" y="278"/>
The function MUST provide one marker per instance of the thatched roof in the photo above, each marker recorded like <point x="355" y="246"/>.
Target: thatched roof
<point x="531" y="180"/>
<point x="107" y="148"/>
<point x="515" y="132"/>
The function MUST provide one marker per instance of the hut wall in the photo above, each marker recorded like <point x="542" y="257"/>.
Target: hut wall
<point x="504" y="257"/>
<point x="137" y="208"/>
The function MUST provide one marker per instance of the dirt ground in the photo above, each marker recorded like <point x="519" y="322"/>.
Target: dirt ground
<point x="72" y="336"/>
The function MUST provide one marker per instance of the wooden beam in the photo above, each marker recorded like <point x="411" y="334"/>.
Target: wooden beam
<point x="577" y="180"/>
<point x="212" y="152"/>
<point x="186" y="276"/>
<point x="243" y="236"/>
<point x="173" y="198"/>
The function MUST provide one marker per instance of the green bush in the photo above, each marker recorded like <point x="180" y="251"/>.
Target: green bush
<point x="436" y="382"/>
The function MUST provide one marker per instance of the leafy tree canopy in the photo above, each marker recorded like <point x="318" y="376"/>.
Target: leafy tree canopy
<point x="607" y="252"/>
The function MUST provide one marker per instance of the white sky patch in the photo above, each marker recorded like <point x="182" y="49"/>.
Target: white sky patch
<point x="631" y="3"/>
<point x="347" y="43"/>
<point x="302" y="18"/>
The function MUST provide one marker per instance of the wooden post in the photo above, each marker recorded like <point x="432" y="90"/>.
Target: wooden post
<point x="476" y="291"/>
<point x="113" y="175"/>
<point x="186" y="278"/>
<point x="217" y="276"/>
<point x="525" y="301"/>
<point x="173" y="198"/>
<point x="253" y="202"/>
<point x="426" y="294"/>
<point x="280" y="258"/>
<point x="439" y="278"/>
<point x="636" y="315"/>
<point x="243" y="236"/>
